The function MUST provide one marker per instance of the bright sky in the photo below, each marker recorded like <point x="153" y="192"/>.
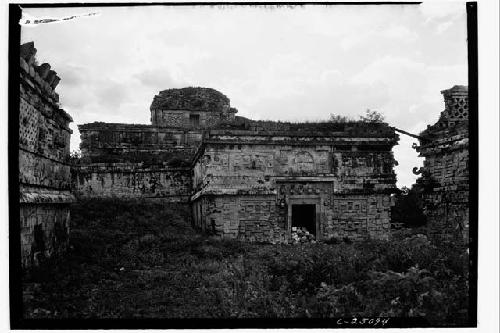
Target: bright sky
<point x="278" y="63"/>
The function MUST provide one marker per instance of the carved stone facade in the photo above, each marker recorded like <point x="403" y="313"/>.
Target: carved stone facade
<point x="44" y="172"/>
<point x="132" y="181"/>
<point x="445" y="174"/>
<point x="249" y="181"/>
<point x="115" y="143"/>
<point x="190" y="108"/>
<point x="246" y="179"/>
<point x="256" y="180"/>
<point x="124" y="160"/>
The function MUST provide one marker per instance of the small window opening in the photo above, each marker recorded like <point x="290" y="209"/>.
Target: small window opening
<point x="212" y="224"/>
<point x="194" y="119"/>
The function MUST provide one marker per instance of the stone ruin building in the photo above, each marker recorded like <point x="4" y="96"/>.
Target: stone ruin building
<point x="245" y="179"/>
<point x="44" y="172"/>
<point x="445" y="174"/>
<point x="150" y="161"/>
<point x="257" y="180"/>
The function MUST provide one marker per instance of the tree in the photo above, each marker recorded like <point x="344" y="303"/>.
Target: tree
<point x="408" y="208"/>
<point x="372" y="116"/>
<point x="74" y="157"/>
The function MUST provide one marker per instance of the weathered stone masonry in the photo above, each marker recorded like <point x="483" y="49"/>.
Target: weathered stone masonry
<point x="445" y="174"/>
<point x="44" y="174"/>
<point x="132" y="181"/>
<point x="149" y="161"/>
<point x="115" y="143"/>
<point x="246" y="179"/>
<point x="255" y="180"/>
<point x="250" y="181"/>
<point x="191" y="108"/>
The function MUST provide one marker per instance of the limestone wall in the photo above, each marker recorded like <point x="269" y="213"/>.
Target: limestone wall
<point x="44" y="172"/>
<point x="259" y="165"/>
<point x="131" y="180"/>
<point x="256" y="217"/>
<point x="109" y="142"/>
<point x="190" y="108"/>
<point x="445" y="174"/>
<point x="245" y="176"/>
<point x="187" y="119"/>
<point x="246" y="183"/>
<point x="134" y="161"/>
<point x="246" y="217"/>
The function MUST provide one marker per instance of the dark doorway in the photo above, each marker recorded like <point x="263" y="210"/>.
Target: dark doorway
<point x="304" y="216"/>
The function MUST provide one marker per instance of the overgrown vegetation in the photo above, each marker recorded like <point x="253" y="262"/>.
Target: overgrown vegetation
<point x="408" y="208"/>
<point x="370" y="116"/>
<point x="75" y="157"/>
<point x="143" y="260"/>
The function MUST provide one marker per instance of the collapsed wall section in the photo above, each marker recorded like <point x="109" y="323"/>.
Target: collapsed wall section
<point x="445" y="174"/>
<point x="44" y="172"/>
<point x="252" y="184"/>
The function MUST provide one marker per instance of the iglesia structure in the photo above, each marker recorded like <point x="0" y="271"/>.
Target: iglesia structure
<point x="246" y="179"/>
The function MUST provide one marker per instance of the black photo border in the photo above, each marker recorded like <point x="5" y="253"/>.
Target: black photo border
<point x="15" y="271"/>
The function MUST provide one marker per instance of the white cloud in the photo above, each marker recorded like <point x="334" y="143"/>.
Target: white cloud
<point x="400" y="33"/>
<point x="435" y="10"/>
<point x="299" y="63"/>
<point x="442" y="27"/>
<point x="382" y="36"/>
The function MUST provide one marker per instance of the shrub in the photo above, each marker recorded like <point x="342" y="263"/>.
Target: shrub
<point x="335" y="118"/>
<point x="372" y="116"/>
<point x="408" y="208"/>
<point x="143" y="259"/>
<point x="415" y="293"/>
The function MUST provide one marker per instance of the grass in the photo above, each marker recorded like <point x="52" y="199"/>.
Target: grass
<point x="143" y="260"/>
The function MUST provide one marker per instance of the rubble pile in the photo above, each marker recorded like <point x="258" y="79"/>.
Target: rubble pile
<point x="302" y="235"/>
